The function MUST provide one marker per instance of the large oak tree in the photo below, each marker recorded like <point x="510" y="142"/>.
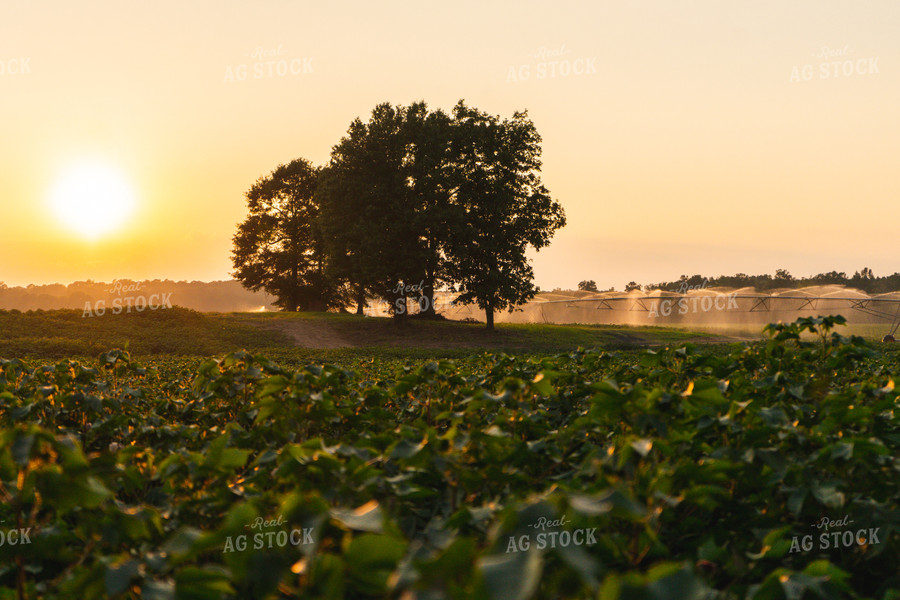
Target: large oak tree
<point x="277" y="247"/>
<point x="383" y="202"/>
<point x="502" y="208"/>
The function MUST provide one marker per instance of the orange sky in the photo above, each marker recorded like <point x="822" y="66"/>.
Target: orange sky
<point x="692" y="140"/>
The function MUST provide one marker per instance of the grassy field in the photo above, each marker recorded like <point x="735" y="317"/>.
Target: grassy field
<point x="311" y="337"/>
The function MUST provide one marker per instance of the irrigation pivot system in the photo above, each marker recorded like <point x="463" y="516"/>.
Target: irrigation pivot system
<point x="659" y="304"/>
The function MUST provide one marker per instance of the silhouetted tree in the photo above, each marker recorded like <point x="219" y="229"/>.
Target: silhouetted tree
<point x="500" y="208"/>
<point x="864" y="275"/>
<point x="782" y="275"/>
<point x="588" y="285"/>
<point x="385" y="204"/>
<point x="277" y="248"/>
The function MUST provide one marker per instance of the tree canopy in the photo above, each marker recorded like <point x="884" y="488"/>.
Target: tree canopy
<point x="501" y="208"/>
<point x="412" y="200"/>
<point x="277" y="248"/>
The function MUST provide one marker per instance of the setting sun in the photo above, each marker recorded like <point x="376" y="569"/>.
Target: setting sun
<point x="92" y="199"/>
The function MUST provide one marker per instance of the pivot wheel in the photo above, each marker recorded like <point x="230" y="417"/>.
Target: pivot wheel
<point x="888" y="338"/>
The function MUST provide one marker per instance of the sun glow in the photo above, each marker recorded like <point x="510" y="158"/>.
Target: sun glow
<point x="92" y="199"/>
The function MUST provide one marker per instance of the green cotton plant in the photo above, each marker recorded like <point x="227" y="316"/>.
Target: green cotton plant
<point x="46" y="484"/>
<point x="840" y="349"/>
<point x="696" y="466"/>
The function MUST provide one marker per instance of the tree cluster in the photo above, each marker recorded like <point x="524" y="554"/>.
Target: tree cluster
<point x="864" y="280"/>
<point x="411" y="201"/>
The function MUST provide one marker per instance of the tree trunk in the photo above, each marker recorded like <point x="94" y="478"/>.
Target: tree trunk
<point x="295" y="291"/>
<point x="360" y="300"/>
<point x="489" y="317"/>
<point x="427" y="292"/>
<point x="400" y="308"/>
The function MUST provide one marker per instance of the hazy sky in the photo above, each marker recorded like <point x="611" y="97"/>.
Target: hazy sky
<point x="680" y="137"/>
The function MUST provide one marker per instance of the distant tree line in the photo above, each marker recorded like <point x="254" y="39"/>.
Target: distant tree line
<point x="411" y="201"/>
<point x="863" y="280"/>
<point x="214" y="296"/>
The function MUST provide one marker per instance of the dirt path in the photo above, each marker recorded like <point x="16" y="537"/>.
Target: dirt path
<point x="312" y="334"/>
